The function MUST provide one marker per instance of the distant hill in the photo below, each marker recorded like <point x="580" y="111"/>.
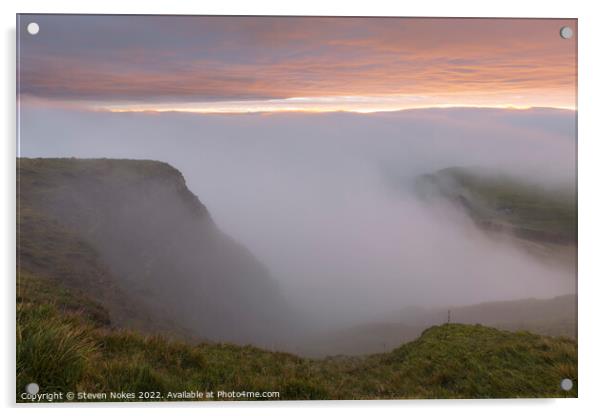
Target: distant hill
<point x="541" y="219"/>
<point x="556" y="316"/>
<point x="130" y="234"/>
<point x="553" y="317"/>
<point x="65" y="344"/>
<point x="499" y="202"/>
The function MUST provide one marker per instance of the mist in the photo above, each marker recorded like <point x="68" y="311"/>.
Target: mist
<point x="326" y="201"/>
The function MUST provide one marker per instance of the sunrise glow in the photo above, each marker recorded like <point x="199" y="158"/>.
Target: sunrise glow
<point x="279" y="64"/>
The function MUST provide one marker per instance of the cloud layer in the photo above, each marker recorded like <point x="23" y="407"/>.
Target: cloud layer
<point x="146" y="62"/>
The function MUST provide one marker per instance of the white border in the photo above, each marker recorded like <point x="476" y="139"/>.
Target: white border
<point x="590" y="207"/>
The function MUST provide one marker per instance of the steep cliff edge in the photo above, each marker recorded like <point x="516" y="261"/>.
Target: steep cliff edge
<point x="130" y="234"/>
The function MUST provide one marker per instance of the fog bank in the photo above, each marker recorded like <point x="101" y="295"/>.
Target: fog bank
<point x="312" y="195"/>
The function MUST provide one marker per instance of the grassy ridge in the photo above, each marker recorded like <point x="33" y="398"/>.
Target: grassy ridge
<point x="500" y="202"/>
<point x="553" y="317"/>
<point x="64" y="344"/>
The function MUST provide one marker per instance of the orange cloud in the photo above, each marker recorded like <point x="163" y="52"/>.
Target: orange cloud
<point x="252" y="62"/>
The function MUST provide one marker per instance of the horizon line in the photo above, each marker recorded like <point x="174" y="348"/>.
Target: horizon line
<point x="320" y="111"/>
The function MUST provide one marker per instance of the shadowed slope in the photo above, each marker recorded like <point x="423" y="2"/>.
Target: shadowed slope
<point x="137" y="221"/>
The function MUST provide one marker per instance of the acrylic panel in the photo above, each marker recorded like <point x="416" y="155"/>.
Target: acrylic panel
<point x="295" y="208"/>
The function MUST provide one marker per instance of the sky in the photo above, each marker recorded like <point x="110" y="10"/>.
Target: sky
<point x="213" y="64"/>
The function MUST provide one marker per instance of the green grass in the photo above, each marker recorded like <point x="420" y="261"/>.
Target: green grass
<point x="64" y="344"/>
<point x="51" y="350"/>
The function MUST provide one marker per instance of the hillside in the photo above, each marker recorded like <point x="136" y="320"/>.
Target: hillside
<point x="65" y="344"/>
<point x="499" y="202"/>
<point x="554" y="317"/>
<point x="543" y="220"/>
<point x="130" y="234"/>
<point x="125" y="283"/>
